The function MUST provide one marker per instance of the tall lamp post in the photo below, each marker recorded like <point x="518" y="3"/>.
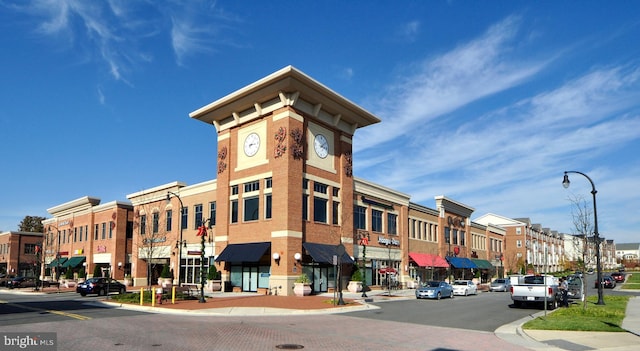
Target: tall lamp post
<point x="596" y="236"/>
<point x="180" y="242"/>
<point x="202" y="233"/>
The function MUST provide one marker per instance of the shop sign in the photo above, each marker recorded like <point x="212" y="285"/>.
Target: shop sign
<point x="386" y="241"/>
<point x="194" y="252"/>
<point x="102" y="248"/>
<point x="77" y="252"/>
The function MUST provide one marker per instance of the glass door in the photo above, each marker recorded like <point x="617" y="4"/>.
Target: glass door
<point x="250" y="279"/>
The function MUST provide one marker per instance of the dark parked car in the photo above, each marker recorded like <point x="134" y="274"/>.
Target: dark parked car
<point x="28" y="282"/>
<point x="619" y="277"/>
<point x="100" y="286"/>
<point x="21" y="282"/>
<point x="607" y="282"/>
<point x="4" y="279"/>
<point x="500" y="284"/>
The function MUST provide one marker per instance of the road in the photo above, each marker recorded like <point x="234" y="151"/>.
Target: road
<point x="483" y="312"/>
<point x="462" y="323"/>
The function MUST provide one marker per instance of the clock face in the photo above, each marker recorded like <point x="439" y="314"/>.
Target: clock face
<point x="251" y="144"/>
<point x="321" y="146"/>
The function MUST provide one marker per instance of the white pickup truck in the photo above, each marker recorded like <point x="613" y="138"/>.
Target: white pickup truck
<point x="529" y="289"/>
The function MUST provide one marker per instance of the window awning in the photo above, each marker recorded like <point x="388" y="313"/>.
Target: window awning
<point x="323" y="253"/>
<point x="461" y="262"/>
<point x="57" y="261"/>
<point x="250" y="252"/>
<point x="428" y="260"/>
<point x="482" y="264"/>
<point x="74" y="262"/>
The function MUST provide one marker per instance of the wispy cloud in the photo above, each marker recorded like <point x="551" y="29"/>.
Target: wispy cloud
<point x="114" y="32"/>
<point x="502" y="156"/>
<point x="409" y="31"/>
<point x="445" y="83"/>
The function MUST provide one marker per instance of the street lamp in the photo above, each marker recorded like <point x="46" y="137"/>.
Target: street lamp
<point x="202" y="233"/>
<point x="179" y="242"/>
<point x="596" y="236"/>
<point x="364" y="241"/>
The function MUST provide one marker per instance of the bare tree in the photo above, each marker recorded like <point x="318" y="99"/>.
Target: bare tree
<point x="583" y="239"/>
<point x="151" y="225"/>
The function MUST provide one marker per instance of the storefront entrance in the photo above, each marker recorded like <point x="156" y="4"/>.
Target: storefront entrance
<point x="250" y="278"/>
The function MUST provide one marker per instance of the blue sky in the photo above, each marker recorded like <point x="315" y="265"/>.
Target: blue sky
<point x="485" y="102"/>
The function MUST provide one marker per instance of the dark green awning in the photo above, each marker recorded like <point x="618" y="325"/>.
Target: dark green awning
<point x="74" y="262"/>
<point x="57" y="261"/>
<point x="482" y="264"/>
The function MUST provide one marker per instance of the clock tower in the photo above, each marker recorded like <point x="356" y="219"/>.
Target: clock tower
<point x="284" y="193"/>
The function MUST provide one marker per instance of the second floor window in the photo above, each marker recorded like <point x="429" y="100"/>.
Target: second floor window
<point x="376" y="221"/>
<point x="320" y="210"/>
<point x="212" y="213"/>
<point x="251" y="209"/>
<point x="184" y="218"/>
<point x="359" y="217"/>
<point x="392" y="225"/>
<point x="198" y="215"/>
<point x="143" y="224"/>
<point x="156" y="223"/>
<point x="234" y="211"/>
<point x="169" y="215"/>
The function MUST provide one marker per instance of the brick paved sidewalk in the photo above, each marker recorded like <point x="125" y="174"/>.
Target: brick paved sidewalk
<point x="268" y="301"/>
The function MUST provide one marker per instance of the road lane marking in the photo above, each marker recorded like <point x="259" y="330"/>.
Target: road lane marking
<point x="60" y="313"/>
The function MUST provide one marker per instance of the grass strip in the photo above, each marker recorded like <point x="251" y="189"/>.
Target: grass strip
<point x="602" y="318"/>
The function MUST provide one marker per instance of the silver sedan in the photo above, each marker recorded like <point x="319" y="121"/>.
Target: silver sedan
<point x="434" y="290"/>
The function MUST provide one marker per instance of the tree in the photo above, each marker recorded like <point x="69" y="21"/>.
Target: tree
<point x="32" y="224"/>
<point x="151" y="235"/>
<point x="583" y="238"/>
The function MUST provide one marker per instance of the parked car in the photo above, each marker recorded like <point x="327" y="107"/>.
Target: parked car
<point x="618" y="276"/>
<point x="434" y="290"/>
<point x="5" y="278"/>
<point x="21" y="282"/>
<point x="607" y="282"/>
<point x="28" y="282"/>
<point x="464" y="288"/>
<point x="578" y="274"/>
<point x="590" y="271"/>
<point x="100" y="286"/>
<point x="500" y="284"/>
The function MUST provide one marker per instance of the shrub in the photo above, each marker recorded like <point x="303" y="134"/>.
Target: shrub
<point x="166" y="272"/>
<point x="213" y="273"/>
<point x="356" y="275"/>
<point x="69" y="274"/>
<point x="97" y="272"/>
<point x="303" y="278"/>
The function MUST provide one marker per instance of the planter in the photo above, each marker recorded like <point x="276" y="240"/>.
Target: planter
<point x="128" y="282"/>
<point x="301" y="289"/>
<point x="214" y="285"/>
<point x="165" y="282"/>
<point x="354" y="286"/>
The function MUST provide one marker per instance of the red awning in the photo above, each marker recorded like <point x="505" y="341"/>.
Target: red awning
<point x="428" y="260"/>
